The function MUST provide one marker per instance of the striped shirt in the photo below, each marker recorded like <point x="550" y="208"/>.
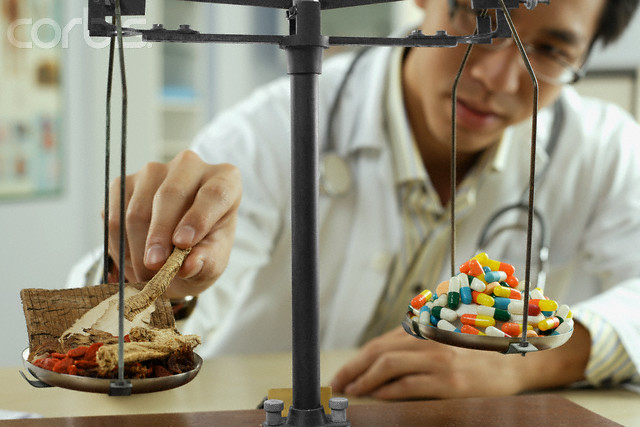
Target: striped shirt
<point x="609" y="363"/>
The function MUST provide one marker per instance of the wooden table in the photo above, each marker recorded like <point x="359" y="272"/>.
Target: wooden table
<point x="238" y="384"/>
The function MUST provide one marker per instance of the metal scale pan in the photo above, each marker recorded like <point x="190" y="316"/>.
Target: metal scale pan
<point x="46" y="378"/>
<point x="478" y="342"/>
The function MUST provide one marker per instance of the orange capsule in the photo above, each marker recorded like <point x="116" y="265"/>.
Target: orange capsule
<point x="514" y="329"/>
<point x="421" y="299"/>
<point x="468" y="329"/>
<point x="512" y="281"/>
<point x="464" y="268"/>
<point x="475" y="269"/>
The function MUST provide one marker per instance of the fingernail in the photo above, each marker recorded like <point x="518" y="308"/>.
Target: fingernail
<point x="156" y="254"/>
<point x="184" y="235"/>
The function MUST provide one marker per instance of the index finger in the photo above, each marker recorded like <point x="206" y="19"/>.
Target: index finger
<point x="171" y="200"/>
<point x="393" y="340"/>
<point x="217" y="199"/>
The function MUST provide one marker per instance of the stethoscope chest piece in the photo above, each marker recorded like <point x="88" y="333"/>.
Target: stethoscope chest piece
<point x="335" y="175"/>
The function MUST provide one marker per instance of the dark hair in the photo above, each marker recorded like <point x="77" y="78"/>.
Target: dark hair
<point x="614" y="20"/>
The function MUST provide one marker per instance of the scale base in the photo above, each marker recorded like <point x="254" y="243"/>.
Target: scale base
<point x="307" y="417"/>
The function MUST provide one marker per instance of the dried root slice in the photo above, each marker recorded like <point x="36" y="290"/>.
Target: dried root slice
<point x="162" y="343"/>
<point x="157" y="285"/>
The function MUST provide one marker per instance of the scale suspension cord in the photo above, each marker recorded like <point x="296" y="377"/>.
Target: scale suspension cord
<point x="107" y="160"/>
<point x="532" y="168"/>
<point x="117" y="21"/>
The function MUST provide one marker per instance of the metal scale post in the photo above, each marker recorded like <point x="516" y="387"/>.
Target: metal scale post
<point x="304" y="47"/>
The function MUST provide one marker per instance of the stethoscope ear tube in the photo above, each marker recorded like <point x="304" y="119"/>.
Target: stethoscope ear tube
<point x="335" y="173"/>
<point x="543" y="239"/>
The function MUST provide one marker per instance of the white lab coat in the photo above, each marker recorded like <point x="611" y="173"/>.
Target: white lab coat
<point x="589" y="196"/>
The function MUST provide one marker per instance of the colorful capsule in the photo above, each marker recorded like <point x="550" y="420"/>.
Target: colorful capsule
<point x="531" y="320"/>
<point x="481" y="298"/>
<point x="477" y="285"/>
<point x="513" y="329"/>
<point x="424" y="316"/>
<point x="465" y="290"/>
<point x="468" y="329"/>
<point x="564" y="312"/>
<point x="482" y="258"/>
<point x="565" y="326"/>
<point x="496" y="313"/>
<point x="508" y="269"/>
<point x="471" y="267"/>
<point x="512" y="281"/>
<point x="444" y="313"/>
<point x="447" y="326"/>
<point x="477" y="320"/>
<point x="492" y="331"/>
<point x="421" y="299"/>
<point x="530" y="333"/>
<point x="495" y="276"/>
<point x="433" y="320"/>
<point x="507" y="292"/>
<point x="468" y="309"/>
<point x="549" y="323"/>
<point x="501" y="303"/>
<point x="490" y="287"/>
<point x="537" y="294"/>
<point x="453" y="293"/>
<point x="534" y="310"/>
<point x="545" y="304"/>
<point x="441" y="301"/>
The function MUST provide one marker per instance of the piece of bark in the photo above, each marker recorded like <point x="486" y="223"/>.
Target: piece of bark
<point x="48" y="313"/>
<point x="155" y="344"/>
<point x="157" y="285"/>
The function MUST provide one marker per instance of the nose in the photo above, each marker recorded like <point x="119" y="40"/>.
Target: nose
<point x="497" y="70"/>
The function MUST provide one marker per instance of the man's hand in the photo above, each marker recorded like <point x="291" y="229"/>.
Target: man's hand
<point x="185" y="203"/>
<point x="398" y="366"/>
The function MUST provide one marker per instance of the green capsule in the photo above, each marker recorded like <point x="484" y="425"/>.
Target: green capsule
<point x="435" y="311"/>
<point x="453" y="300"/>
<point x="502" y="315"/>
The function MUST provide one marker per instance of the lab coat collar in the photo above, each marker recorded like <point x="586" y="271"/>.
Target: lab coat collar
<point x="348" y="131"/>
<point x="354" y="138"/>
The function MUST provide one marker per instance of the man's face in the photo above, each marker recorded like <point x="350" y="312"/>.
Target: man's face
<point x="495" y="90"/>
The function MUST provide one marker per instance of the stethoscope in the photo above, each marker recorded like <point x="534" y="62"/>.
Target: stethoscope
<point x="336" y="179"/>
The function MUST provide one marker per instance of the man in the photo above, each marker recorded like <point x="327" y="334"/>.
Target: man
<point x="392" y="130"/>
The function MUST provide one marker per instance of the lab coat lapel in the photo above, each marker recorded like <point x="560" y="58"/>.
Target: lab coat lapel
<point x="373" y="238"/>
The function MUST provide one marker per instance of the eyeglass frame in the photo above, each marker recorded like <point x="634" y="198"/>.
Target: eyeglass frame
<point x="573" y="73"/>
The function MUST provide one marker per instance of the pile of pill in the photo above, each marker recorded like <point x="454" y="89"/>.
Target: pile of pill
<point x="487" y="299"/>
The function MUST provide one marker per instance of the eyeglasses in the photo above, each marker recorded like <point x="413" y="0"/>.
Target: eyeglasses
<point x="549" y="62"/>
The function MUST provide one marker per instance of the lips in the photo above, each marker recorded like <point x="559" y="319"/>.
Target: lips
<point x="474" y="117"/>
